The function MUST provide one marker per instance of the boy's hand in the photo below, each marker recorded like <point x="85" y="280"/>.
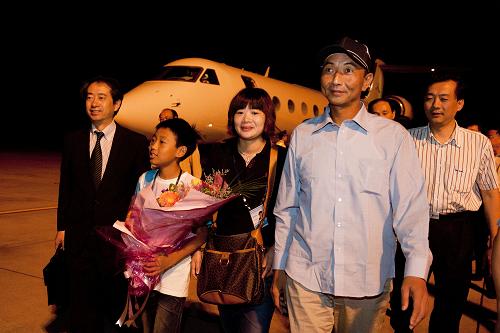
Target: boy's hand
<point x="158" y="264"/>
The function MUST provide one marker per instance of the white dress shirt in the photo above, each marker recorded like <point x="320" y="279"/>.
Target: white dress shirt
<point x="106" y="143"/>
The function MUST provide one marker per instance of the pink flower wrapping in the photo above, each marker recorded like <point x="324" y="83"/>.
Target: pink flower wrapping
<point x="151" y="229"/>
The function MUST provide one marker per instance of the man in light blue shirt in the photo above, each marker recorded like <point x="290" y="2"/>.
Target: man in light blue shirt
<point x="350" y="185"/>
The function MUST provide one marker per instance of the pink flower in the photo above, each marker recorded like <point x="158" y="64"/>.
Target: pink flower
<point x="218" y="181"/>
<point x="214" y="185"/>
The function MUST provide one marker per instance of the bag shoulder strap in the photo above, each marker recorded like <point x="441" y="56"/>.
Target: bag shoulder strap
<point x="271" y="174"/>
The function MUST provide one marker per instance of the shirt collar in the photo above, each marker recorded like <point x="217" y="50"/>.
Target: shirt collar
<point x="109" y="131"/>
<point x="457" y="138"/>
<point x="360" y="119"/>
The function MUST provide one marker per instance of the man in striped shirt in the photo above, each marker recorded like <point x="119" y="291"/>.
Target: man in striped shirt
<point x="495" y="265"/>
<point x="459" y="170"/>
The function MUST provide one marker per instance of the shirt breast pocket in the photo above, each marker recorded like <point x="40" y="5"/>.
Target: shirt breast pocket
<point x="312" y="165"/>
<point x="374" y="175"/>
<point x="459" y="180"/>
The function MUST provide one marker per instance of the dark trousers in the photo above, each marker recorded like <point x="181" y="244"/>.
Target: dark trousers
<point x="164" y="313"/>
<point x="98" y="289"/>
<point x="400" y="320"/>
<point x="481" y="235"/>
<point x="249" y="318"/>
<point x="451" y="240"/>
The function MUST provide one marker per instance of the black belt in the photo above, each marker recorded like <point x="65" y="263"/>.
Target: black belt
<point x="453" y="216"/>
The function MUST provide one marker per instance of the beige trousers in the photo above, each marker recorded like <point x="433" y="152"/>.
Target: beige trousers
<point x="316" y="312"/>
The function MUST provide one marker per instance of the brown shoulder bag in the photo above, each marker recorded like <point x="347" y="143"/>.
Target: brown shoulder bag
<point x="231" y="270"/>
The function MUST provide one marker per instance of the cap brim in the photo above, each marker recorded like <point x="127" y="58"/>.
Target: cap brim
<point x="329" y="50"/>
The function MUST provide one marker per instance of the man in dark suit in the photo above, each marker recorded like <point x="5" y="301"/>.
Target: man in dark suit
<point x="100" y="167"/>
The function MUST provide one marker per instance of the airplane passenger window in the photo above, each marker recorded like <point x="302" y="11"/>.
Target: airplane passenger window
<point x="277" y="103"/>
<point x="303" y="108"/>
<point x="209" y="77"/>
<point x="291" y="106"/>
<point x="249" y="82"/>
<point x="180" y="73"/>
<point x="315" y="110"/>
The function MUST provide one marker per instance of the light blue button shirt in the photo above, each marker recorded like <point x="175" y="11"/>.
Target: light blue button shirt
<point x="343" y="193"/>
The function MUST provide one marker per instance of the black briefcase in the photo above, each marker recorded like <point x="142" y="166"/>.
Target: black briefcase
<point x="56" y="278"/>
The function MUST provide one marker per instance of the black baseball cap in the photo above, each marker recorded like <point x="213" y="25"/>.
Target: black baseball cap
<point x="355" y="50"/>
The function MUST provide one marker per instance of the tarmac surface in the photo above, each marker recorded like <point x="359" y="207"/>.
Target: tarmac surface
<point x="28" y="200"/>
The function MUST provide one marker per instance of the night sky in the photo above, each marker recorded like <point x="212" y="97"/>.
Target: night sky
<point x="49" y="55"/>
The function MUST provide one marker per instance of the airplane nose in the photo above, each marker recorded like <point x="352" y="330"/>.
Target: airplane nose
<point x="140" y="113"/>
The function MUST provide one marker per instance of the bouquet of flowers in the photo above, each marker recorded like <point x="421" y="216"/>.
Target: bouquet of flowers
<point x="163" y="225"/>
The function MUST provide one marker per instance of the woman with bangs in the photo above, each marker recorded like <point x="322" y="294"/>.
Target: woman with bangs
<point x="245" y="156"/>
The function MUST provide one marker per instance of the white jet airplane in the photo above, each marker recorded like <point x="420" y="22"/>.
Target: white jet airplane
<point x="200" y="90"/>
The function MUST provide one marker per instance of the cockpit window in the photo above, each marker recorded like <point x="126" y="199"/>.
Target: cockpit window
<point x="209" y="77"/>
<point x="180" y="73"/>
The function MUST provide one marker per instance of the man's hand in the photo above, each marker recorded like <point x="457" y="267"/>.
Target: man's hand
<point x="59" y="241"/>
<point x="416" y="288"/>
<point x="278" y="287"/>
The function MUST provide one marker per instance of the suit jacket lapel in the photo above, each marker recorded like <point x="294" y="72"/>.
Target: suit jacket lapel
<point x="83" y="148"/>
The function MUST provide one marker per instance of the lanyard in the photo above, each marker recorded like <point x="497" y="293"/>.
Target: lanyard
<point x="176" y="182"/>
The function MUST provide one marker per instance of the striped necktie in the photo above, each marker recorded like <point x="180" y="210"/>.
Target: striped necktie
<point x="96" y="160"/>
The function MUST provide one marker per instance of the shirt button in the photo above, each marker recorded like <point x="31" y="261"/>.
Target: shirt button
<point x="339" y="199"/>
<point x="341" y="153"/>
<point x="339" y="225"/>
<point x="339" y="175"/>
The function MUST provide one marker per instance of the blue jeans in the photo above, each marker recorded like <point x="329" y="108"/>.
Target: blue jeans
<point x="249" y="318"/>
<point x="165" y="313"/>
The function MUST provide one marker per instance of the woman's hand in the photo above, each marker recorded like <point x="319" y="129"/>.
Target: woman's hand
<point x="267" y="263"/>
<point x="196" y="259"/>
